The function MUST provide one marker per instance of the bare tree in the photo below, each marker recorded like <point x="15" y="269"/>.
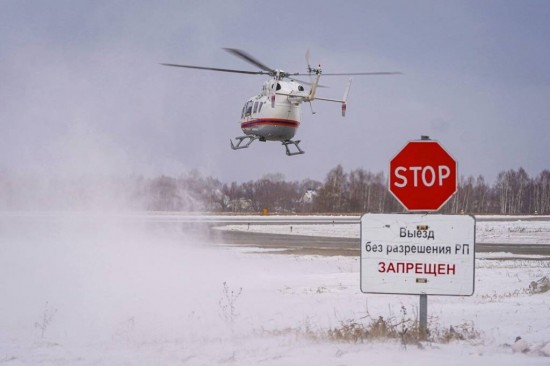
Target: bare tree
<point x="332" y="195"/>
<point x="541" y="193"/>
<point x="358" y="191"/>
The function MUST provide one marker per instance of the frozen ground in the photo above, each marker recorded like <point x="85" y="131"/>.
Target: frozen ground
<point x="516" y="230"/>
<point x="102" y="291"/>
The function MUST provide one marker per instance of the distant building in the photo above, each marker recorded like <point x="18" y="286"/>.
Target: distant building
<point x="309" y="196"/>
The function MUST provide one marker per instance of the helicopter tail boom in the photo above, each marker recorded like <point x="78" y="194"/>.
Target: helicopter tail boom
<point x="299" y="98"/>
<point x="343" y="100"/>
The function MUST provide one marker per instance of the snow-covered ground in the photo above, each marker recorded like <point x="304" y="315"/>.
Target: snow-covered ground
<point x="513" y="231"/>
<point x="103" y="291"/>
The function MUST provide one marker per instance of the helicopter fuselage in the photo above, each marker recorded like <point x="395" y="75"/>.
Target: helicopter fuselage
<point x="274" y="114"/>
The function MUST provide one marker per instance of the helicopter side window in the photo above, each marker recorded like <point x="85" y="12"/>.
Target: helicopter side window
<point x="255" y="107"/>
<point x="278" y="86"/>
<point x="248" y="108"/>
<point x="260" y="106"/>
<point x="300" y="88"/>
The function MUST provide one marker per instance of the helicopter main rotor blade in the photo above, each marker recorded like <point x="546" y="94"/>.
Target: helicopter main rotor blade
<point x="366" y="73"/>
<point x="218" y="69"/>
<point x="301" y="81"/>
<point x="248" y="58"/>
<point x="306" y="82"/>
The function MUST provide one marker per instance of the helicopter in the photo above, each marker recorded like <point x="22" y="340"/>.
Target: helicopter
<point x="274" y="114"/>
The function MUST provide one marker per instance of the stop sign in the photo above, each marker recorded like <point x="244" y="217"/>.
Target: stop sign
<point x="423" y="176"/>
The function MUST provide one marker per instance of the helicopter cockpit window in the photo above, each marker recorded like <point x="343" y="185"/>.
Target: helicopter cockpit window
<point x="243" y="111"/>
<point x="260" y="106"/>
<point x="300" y="88"/>
<point x="249" y="108"/>
<point x="255" y="107"/>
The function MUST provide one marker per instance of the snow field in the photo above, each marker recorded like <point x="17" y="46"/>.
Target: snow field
<point x="139" y="293"/>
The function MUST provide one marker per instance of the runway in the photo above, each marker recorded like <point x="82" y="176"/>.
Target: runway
<point x="280" y="243"/>
<point x="313" y="245"/>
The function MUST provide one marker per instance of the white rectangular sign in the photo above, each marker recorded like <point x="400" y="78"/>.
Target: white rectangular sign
<point x="418" y="254"/>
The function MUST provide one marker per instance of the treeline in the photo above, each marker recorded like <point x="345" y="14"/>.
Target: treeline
<point x="357" y="191"/>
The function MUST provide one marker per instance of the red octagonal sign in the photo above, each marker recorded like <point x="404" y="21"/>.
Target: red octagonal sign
<point x="423" y="176"/>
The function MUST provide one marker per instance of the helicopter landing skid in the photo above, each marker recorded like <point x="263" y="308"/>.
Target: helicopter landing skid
<point x="295" y="143"/>
<point x="240" y="140"/>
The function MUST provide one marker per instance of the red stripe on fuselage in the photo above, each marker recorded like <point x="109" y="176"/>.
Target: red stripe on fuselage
<point x="270" y="122"/>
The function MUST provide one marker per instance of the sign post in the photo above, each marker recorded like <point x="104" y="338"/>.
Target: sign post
<point x="419" y="254"/>
<point x="423" y="316"/>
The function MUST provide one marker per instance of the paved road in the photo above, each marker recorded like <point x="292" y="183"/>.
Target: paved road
<point x="301" y="244"/>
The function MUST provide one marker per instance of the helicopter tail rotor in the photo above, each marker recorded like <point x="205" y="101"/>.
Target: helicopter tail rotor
<point x="311" y="70"/>
<point x="307" y="61"/>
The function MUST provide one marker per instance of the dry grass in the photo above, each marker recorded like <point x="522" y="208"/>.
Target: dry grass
<point x="404" y="329"/>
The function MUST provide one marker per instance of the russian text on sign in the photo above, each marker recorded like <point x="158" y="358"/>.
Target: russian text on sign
<point x="426" y="234"/>
<point x="434" y="269"/>
<point x="401" y="253"/>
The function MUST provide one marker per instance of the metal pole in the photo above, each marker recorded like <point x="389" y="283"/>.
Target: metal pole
<point x="423" y="317"/>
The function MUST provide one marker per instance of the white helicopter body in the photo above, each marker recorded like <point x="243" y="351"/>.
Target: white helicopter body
<point x="275" y="120"/>
<point x="274" y="114"/>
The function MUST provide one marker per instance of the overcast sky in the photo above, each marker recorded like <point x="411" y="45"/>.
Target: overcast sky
<point x="82" y="90"/>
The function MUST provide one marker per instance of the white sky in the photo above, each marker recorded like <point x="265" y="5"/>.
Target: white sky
<point x="82" y="91"/>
